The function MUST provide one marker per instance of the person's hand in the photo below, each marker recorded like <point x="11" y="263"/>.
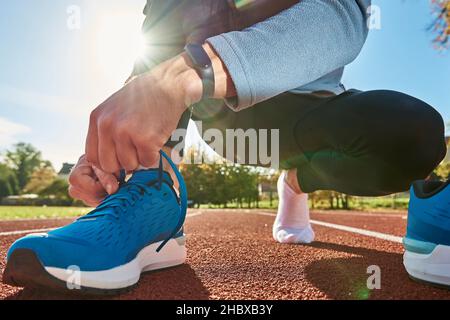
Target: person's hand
<point x="90" y="184"/>
<point x="132" y="126"/>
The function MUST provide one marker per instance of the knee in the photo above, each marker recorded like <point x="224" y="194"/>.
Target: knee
<point x="422" y="136"/>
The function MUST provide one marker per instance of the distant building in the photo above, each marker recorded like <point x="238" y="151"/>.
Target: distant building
<point x="266" y="188"/>
<point x="65" y="171"/>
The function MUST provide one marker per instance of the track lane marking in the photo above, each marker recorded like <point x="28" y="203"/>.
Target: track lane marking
<point x="20" y="232"/>
<point x="373" y="234"/>
<point x="15" y="233"/>
<point x="357" y="214"/>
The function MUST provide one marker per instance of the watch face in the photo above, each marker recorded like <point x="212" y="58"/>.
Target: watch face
<point x="198" y="56"/>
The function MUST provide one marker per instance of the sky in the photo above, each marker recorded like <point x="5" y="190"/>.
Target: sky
<point x="55" y="71"/>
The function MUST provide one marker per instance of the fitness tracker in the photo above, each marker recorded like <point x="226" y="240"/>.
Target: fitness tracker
<point x="203" y="65"/>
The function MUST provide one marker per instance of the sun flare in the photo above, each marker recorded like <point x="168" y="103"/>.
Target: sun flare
<point x="118" y="43"/>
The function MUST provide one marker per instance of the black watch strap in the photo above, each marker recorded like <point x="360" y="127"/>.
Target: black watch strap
<point x="203" y="65"/>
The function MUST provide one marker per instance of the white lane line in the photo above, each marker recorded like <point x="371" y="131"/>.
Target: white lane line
<point x="194" y="214"/>
<point x="20" y="232"/>
<point x="358" y="214"/>
<point x="355" y="214"/>
<point x="363" y="232"/>
<point x="15" y="233"/>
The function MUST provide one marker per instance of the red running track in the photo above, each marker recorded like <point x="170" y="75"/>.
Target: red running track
<point x="231" y="255"/>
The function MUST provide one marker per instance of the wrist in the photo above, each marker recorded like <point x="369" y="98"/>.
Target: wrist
<point x="182" y="75"/>
<point x="224" y="85"/>
<point x="191" y="82"/>
<point x="180" y="80"/>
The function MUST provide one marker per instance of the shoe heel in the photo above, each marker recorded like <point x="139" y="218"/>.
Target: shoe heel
<point x="416" y="246"/>
<point x="173" y="254"/>
<point x="427" y="262"/>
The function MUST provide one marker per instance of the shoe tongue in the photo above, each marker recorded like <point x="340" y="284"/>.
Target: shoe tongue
<point x="146" y="176"/>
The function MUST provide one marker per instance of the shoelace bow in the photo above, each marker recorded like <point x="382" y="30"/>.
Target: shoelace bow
<point x="132" y="191"/>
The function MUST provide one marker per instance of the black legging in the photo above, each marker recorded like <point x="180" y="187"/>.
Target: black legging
<point x="360" y="143"/>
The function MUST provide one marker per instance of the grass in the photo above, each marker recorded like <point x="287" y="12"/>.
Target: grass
<point x="380" y="203"/>
<point x="264" y="204"/>
<point x="14" y="213"/>
<point x="356" y="203"/>
<point x="360" y="204"/>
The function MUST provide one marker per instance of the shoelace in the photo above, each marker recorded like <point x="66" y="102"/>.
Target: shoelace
<point x="129" y="192"/>
<point x="127" y="195"/>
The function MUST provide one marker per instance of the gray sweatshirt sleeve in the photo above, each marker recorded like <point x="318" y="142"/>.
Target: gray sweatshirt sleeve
<point x="293" y="48"/>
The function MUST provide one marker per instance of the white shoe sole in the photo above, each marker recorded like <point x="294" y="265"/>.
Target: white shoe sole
<point x="173" y="254"/>
<point x="433" y="268"/>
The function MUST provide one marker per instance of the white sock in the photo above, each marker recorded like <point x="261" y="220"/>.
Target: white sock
<point x="292" y="224"/>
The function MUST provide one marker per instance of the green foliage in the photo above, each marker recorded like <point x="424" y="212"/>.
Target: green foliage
<point x="57" y="189"/>
<point x="5" y="189"/>
<point x="196" y="183"/>
<point x="24" y="159"/>
<point x="40" y="179"/>
<point x="221" y="183"/>
<point x="24" y="171"/>
<point x="268" y="180"/>
<point x="443" y="171"/>
<point x="330" y="199"/>
<point x="40" y="212"/>
<point x="441" y="25"/>
<point x="8" y="182"/>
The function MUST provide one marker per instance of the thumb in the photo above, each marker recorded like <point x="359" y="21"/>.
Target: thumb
<point x="107" y="180"/>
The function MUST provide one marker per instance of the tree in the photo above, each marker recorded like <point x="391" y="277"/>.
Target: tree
<point x="442" y="171"/>
<point x="5" y="189"/>
<point x="269" y="178"/>
<point x="195" y="178"/>
<point x="335" y="200"/>
<point x="58" y="189"/>
<point x="8" y="183"/>
<point x="219" y="183"/>
<point x="441" y="24"/>
<point x="243" y="184"/>
<point x="40" y="179"/>
<point x="24" y="159"/>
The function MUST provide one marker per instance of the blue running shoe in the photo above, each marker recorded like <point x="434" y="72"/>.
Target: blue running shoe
<point x="427" y="241"/>
<point x="138" y="229"/>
